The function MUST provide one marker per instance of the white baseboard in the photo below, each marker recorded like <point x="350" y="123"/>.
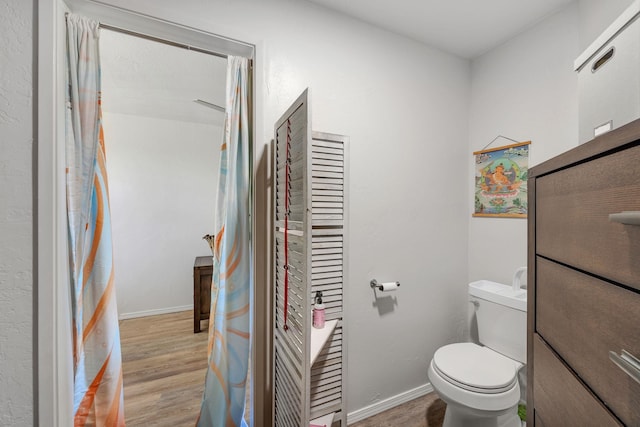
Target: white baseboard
<point x="155" y="311"/>
<point x="391" y="402"/>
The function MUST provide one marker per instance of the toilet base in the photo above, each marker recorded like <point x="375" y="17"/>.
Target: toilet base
<point x="458" y="416"/>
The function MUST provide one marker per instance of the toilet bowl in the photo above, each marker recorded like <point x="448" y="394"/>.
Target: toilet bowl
<point x="479" y="383"/>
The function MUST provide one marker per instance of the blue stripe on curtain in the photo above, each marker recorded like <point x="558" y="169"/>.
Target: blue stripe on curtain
<point x="98" y="389"/>
<point x="223" y="401"/>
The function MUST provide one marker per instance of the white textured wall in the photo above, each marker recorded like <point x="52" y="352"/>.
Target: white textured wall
<point x="16" y="213"/>
<point x="162" y="183"/>
<point x="525" y="89"/>
<point x="596" y="16"/>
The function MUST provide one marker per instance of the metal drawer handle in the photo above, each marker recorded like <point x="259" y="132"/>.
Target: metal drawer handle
<point x="626" y="217"/>
<point x="628" y="363"/>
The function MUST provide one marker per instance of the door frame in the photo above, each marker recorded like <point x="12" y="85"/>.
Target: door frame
<point x="53" y="370"/>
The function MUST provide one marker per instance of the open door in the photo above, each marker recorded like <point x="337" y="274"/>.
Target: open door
<point x="309" y="229"/>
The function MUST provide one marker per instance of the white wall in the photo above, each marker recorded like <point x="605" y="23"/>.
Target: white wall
<point x="16" y="212"/>
<point x="596" y="16"/>
<point x="525" y="89"/>
<point x="162" y="184"/>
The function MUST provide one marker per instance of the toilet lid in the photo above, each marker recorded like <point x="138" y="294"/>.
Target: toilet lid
<point x="475" y="368"/>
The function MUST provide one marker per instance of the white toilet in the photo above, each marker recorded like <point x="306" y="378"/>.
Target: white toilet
<point x="479" y="383"/>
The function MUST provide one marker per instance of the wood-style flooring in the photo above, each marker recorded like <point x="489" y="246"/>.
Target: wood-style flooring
<point x="425" y="411"/>
<point x="164" y="365"/>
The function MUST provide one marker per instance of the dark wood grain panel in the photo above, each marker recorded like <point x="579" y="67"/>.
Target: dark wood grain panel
<point x="572" y="216"/>
<point x="531" y="291"/>
<point x="583" y="318"/>
<point x="202" y="276"/>
<point x="561" y="400"/>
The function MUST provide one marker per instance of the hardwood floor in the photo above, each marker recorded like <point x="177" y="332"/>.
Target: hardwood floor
<point x="425" y="411"/>
<point x="164" y="365"/>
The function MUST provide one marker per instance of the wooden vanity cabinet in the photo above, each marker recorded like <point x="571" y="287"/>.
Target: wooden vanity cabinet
<point x="584" y="283"/>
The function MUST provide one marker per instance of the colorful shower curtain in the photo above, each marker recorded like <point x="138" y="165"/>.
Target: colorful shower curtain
<point x="223" y="401"/>
<point x="98" y="390"/>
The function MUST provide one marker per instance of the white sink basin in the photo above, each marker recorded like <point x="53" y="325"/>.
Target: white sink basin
<point x="499" y="293"/>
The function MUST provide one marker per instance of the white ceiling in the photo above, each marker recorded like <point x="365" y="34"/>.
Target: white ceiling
<point x="467" y="28"/>
<point x="148" y="78"/>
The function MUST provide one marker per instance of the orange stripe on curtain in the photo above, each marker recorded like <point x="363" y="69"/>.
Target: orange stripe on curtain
<point x="86" y="406"/>
<point x="105" y="299"/>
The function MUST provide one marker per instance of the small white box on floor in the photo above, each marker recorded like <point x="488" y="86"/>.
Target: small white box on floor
<point x="609" y="77"/>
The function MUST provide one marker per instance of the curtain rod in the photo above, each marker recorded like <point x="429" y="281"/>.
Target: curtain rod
<point x="164" y="41"/>
<point x="157" y="39"/>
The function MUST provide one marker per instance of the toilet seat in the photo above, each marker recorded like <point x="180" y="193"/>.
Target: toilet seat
<point x="450" y="376"/>
<point x="475" y="368"/>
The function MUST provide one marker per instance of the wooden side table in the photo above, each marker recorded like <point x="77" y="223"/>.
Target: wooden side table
<point x="202" y="274"/>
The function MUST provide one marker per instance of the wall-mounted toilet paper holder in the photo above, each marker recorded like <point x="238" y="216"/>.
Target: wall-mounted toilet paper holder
<point x="389" y="286"/>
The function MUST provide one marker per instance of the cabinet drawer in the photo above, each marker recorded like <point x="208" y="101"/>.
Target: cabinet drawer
<point x="584" y="318"/>
<point x="572" y="216"/>
<point x="560" y="399"/>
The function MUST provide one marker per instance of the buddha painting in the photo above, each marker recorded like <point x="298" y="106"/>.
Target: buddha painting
<point x="501" y="178"/>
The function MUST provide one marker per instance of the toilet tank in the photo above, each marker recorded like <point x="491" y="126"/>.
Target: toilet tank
<point x="501" y="313"/>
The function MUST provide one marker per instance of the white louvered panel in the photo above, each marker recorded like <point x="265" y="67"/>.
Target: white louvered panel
<point x="329" y="407"/>
<point x="327" y="273"/>
<point x="287" y="388"/>
<point x="290" y="362"/>
<point x="327" y="192"/>
<point x="327" y="260"/>
<point x="327" y="180"/>
<point x="318" y="201"/>
<point x="294" y="226"/>
<point x="325" y="398"/>
<point x="321" y="168"/>
<point x="321" y="175"/>
<point x="329" y="165"/>
<point x="322" y="148"/>
<point x="318" y="259"/>
<point x="291" y="382"/>
<point x="291" y="365"/>
<point x="327" y="183"/>
<point x="294" y="340"/>
<point x="326" y="241"/>
<point x="331" y="355"/>
<point x="329" y="251"/>
<point x="295" y="175"/>
<point x="309" y="192"/>
<point x="337" y="268"/>
<point x="287" y="411"/>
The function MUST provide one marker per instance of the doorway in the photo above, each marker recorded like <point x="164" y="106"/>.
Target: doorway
<point x="54" y="399"/>
<point x="162" y="161"/>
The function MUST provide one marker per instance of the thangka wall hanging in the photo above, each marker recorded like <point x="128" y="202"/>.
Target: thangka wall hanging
<point x="501" y="181"/>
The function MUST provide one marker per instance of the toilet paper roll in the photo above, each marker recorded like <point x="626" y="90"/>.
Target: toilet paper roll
<point x="389" y="286"/>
